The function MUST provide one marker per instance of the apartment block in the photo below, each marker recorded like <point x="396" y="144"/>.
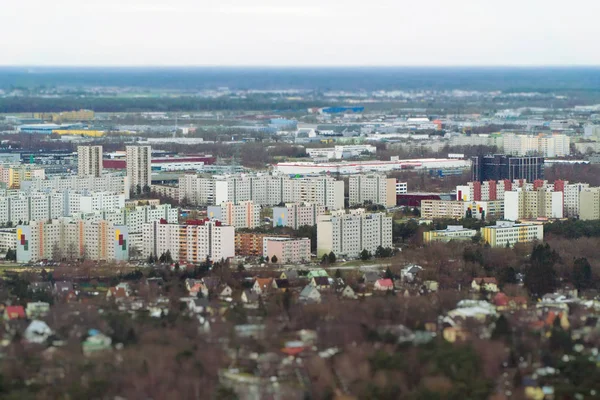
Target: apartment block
<point x="528" y="204"/>
<point x="262" y="189"/>
<point x="295" y="215"/>
<point x="194" y="241"/>
<point x="373" y="188"/>
<point x="350" y="234"/>
<point x="89" y="161"/>
<point x="14" y="175"/>
<point x="8" y="239"/>
<point x="139" y="159"/>
<point x="66" y="238"/>
<point x="251" y="244"/>
<point x="555" y="145"/>
<point x="452" y="232"/>
<point x="287" y="250"/>
<point x="107" y="183"/>
<point x="245" y="215"/>
<point x="589" y="204"/>
<point x="508" y="233"/>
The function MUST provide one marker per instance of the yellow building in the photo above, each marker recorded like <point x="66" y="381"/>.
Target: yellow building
<point x="508" y="232"/>
<point x="452" y="232"/>
<point x="66" y="116"/>
<point x="79" y="132"/>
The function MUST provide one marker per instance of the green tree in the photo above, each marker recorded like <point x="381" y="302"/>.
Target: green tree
<point x="389" y="274"/>
<point x="502" y="329"/>
<point x="11" y="255"/>
<point x="540" y="276"/>
<point x="365" y="255"/>
<point x="331" y="257"/>
<point x="581" y="275"/>
<point x="274" y="259"/>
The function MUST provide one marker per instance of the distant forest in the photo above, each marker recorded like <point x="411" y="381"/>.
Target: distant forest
<point x="557" y="79"/>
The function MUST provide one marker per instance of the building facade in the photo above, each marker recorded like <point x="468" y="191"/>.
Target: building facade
<point x="89" y="161"/>
<point x="139" y="160"/>
<point x="71" y="239"/>
<point x="287" y="250"/>
<point x="373" y="188"/>
<point x="350" y="234"/>
<point x="452" y="232"/>
<point x="295" y="215"/>
<point x="194" y="241"/>
<point x="500" y="166"/>
<point x="508" y="233"/>
<point x="245" y="215"/>
<point x="529" y="204"/>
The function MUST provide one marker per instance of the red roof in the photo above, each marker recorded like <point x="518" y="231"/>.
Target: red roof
<point x="385" y="283"/>
<point x="14" y="312"/>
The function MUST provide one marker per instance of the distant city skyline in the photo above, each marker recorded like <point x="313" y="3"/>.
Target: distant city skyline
<point x="307" y="33"/>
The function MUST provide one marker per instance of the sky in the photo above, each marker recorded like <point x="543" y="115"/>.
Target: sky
<point x="299" y="33"/>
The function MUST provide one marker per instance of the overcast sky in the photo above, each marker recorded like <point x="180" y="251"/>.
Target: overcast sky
<point x="300" y="32"/>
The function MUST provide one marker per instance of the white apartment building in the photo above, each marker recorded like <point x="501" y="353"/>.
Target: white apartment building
<point x="66" y="238"/>
<point x="244" y="215"/>
<point x="507" y="232"/>
<point x="192" y="242"/>
<point x="571" y="198"/>
<point x="287" y="250"/>
<point x="350" y="234"/>
<point x="86" y="202"/>
<point x="262" y="189"/>
<point x="439" y="209"/>
<point x="106" y="183"/>
<point x="555" y="145"/>
<point x="374" y="188"/>
<point x="589" y="204"/>
<point x="8" y="239"/>
<point x="89" y="161"/>
<point x="528" y="204"/>
<point x="139" y="159"/>
<point x="401" y="187"/>
<point x="295" y="215"/>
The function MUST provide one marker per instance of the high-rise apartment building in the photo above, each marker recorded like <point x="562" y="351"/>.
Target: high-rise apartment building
<point x="245" y="215"/>
<point x="295" y="215"/>
<point x="373" y="188"/>
<point x="589" y="203"/>
<point x="555" y="145"/>
<point x="138" y="160"/>
<point x="262" y="189"/>
<point x="66" y="238"/>
<point x="191" y="242"/>
<point x="350" y="234"/>
<point x="89" y="161"/>
<point x="528" y="204"/>
<point x="500" y="166"/>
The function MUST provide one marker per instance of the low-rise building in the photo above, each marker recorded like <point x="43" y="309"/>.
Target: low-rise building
<point x="508" y="233"/>
<point x="452" y="232"/>
<point x="295" y="215"/>
<point x="287" y="250"/>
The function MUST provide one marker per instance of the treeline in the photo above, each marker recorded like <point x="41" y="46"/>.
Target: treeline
<point x="157" y="104"/>
<point x="573" y="229"/>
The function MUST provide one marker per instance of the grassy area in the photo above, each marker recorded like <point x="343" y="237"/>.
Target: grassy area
<point x="16" y="268"/>
<point x="360" y="263"/>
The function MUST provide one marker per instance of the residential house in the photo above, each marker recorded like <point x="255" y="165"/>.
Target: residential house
<point x="37" y="309"/>
<point x="198" y="306"/>
<point x="409" y="273"/>
<point x="196" y="288"/>
<point x="249" y="297"/>
<point x="348" y="293"/>
<point x="384" y="284"/>
<point x="262" y="285"/>
<point x="430" y="286"/>
<point x="225" y="291"/>
<point x="320" y="282"/>
<point x="317" y="273"/>
<point x="370" y="277"/>
<point x="37" y="332"/>
<point x="504" y="302"/>
<point x="14" y="312"/>
<point x="310" y="295"/>
<point x="487" y="284"/>
<point x="281" y="284"/>
<point x="289" y="275"/>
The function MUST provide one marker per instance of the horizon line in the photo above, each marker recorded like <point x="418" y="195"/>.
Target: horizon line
<point x="289" y="66"/>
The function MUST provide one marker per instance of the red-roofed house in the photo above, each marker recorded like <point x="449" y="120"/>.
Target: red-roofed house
<point x="14" y="312"/>
<point x="384" y="284"/>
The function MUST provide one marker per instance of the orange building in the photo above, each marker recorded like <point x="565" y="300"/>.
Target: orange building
<point x="251" y="244"/>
